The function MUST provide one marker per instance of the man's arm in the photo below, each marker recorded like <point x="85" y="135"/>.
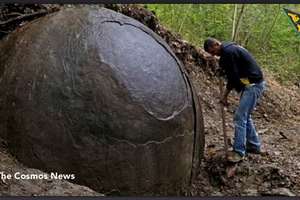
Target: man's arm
<point x="232" y="74"/>
<point x="225" y="97"/>
<point x="232" y="71"/>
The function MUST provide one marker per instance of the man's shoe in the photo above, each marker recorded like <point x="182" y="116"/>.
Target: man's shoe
<point x="234" y="157"/>
<point x="253" y="150"/>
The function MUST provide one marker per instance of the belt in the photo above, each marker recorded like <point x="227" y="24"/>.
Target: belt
<point x="247" y="82"/>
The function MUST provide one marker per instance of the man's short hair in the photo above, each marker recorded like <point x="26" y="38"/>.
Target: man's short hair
<point x="209" y="42"/>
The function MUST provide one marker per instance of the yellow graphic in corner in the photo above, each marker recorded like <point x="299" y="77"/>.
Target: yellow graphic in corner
<point x="294" y="17"/>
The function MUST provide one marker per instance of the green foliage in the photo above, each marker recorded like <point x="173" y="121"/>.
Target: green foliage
<point x="264" y="29"/>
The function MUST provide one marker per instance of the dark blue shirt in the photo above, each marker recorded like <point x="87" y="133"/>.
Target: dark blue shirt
<point x="238" y="63"/>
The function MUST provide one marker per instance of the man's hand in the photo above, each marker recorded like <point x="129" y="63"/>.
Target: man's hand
<point x="223" y="99"/>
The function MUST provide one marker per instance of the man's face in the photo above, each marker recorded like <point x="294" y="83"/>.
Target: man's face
<point x="215" y="50"/>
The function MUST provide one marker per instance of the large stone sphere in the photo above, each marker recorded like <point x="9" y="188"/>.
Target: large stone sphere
<point x="97" y="94"/>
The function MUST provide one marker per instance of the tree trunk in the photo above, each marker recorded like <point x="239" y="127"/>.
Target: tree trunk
<point x="267" y="38"/>
<point x="233" y="21"/>
<point x="238" y="23"/>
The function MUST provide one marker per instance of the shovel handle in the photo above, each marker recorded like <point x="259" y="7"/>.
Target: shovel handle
<point x="222" y="112"/>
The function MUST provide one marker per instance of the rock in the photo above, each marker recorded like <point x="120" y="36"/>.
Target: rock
<point x="283" y="135"/>
<point x="266" y="185"/>
<point x="250" y="192"/>
<point x="217" y="194"/>
<point x="282" y="192"/>
<point x="230" y="171"/>
<point x="97" y="94"/>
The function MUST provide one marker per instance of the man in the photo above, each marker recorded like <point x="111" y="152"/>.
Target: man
<point x="245" y="76"/>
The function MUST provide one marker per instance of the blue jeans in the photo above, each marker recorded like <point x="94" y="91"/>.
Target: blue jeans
<point x="245" y="133"/>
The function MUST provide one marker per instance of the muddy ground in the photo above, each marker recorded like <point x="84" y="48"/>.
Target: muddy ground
<point x="277" y="119"/>
<point x="277" y="172"/>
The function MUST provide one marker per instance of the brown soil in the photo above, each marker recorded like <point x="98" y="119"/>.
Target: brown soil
<point x="276" y="117"/>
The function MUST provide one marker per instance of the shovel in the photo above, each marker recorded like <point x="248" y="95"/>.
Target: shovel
<point x="222" y="112"/>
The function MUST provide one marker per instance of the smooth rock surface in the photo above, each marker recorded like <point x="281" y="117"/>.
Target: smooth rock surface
<point x="98" y="94"/>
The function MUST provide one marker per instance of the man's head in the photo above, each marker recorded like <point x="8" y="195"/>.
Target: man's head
<point x="212" y="46"/>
